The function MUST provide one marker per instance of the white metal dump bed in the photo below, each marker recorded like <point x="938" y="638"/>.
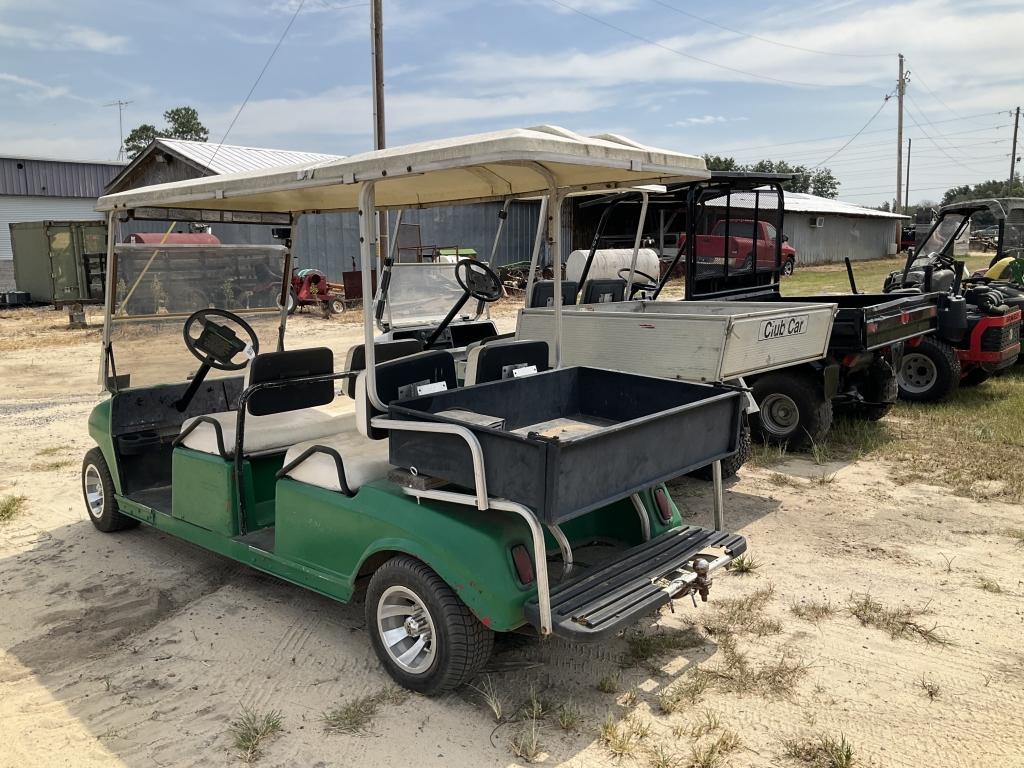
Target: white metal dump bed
<point x="692" y="341"/>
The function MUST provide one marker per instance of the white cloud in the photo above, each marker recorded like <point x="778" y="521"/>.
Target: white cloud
<point x="706" y="120"/>
<point x="33" y="88"/>
<point x="63" y="37"/>
<point x="599" y="7"/>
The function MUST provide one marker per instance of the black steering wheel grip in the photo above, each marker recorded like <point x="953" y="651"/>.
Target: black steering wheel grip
<point x="478" y="280"/>
<point x="220" y="358"/>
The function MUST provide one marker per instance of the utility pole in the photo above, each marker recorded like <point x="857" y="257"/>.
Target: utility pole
<point x="120" y="104"/>
<point x="900" y="87"/>
<point x="1013" y="154"/>
<point x="377" y="54"/>
<point x="906" y="199"/>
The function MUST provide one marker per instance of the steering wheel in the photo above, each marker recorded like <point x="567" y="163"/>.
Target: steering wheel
<point x="651" y="284"/>
<point x="478" y="280"/>
<point x="217" y="344"/>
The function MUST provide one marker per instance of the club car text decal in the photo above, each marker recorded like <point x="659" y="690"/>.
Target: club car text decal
<point x="785" y="326"/>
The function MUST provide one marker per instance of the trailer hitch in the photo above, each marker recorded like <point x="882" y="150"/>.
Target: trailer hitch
<point x="702" y="585"/>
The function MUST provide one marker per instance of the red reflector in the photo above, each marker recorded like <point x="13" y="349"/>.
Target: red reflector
<point x="872" y="327"/>
<point x="664" y="505"/>
<point x="523" y="563"/>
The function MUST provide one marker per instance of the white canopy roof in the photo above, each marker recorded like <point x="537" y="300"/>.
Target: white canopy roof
<point x="486" y="166"/>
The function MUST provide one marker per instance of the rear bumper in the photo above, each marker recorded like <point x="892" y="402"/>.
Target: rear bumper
<point x="604" y="599"/>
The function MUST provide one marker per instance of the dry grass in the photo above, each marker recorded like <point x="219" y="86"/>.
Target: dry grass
<point x="814" y="611"/>
<point x="989" y="585"/>
<point x="767" y="455"/>
<point x="622" y="738"/>
<point x="744" y="615"/>
<point x="608" y="684"/>
<point x="900" y="622"/>
<point x="569" y="715"/>
<point x="930" y="687"/>
<point x="743" y="565"/>
<point x="526" y="744"/>
<point x="50" y="466"/>
<point x="357" y="715"/>
<point x="686" y="691"/>
<point x="781" y="480"/>
<point x="1017" y="534"/>
<point x="642" y="648"/>
<point x="535" y="707"/>
<point x="713" y="754"/>
<point x="251" y="730"/>
<point x="491" y="697"/>
<point x="10" y="507"/>
<point x="776" y="678"/>
<point x="822" y="751"/>
<point x="709" y="723"/>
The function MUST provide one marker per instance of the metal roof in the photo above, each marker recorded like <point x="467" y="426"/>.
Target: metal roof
<point x="487" y="166"/>
<point x="36" y="177"/>
<point x="231" y="158"/>
<point x="800" y="202"/>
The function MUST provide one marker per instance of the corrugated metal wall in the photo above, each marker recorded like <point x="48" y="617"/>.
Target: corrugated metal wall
<point x="330" y="241"/>
<point x="841" y="236"/>
<point x="54" y="178"/>
<point x="14" y="209"/>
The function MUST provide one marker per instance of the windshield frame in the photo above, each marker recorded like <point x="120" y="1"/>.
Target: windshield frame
<point x="387" y="319"/>
<point x="965" y="221"/>
<point x="109" y="379"/>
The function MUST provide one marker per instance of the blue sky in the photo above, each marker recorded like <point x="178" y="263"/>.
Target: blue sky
<point x="464" y="66"/>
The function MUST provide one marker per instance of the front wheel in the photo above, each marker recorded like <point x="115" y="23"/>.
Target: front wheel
<point x="98" y="491"/>
<point x="929" y="373"/>
<point x="293" y="300"/>
<point x="423" y="634"/>
<point x="337" y="306"/>
<point x="793" y="409"/>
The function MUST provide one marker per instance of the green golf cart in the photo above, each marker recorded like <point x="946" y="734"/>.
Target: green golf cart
<point x="533" y="499"/>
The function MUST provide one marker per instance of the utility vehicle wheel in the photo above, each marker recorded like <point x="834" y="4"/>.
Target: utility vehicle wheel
<point x="787" y="267"/>
<point x="98" y="490"/>
<point x="794" y="410"/>
<point x="930" y="372"/>
<point x="293" y="301"/>
<point x="731" y="465"/>
<point x="975" y="376"/>
<point x="880" y="388"/>
<point x="424" y="635"/>
<point x="337" y="306"/>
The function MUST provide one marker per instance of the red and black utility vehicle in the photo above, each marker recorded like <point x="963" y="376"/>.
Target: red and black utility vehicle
<point x="979" y="332"/>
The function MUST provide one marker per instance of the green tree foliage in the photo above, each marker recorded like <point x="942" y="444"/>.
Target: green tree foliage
<point x="820" y="181"/>
<point x="992" y="188"/>
<point x="180" y="123"/>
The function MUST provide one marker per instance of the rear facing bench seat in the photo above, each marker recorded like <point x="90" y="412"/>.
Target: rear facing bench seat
<point x="342" y="462"/>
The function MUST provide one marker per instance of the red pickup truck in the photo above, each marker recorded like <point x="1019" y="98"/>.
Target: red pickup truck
<point x="712" y="248"/>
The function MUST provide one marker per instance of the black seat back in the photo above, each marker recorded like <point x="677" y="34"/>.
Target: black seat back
<point x="497" y="360"/>
<point x="543" y="294"/>
<point x="603" y="291"/>
<point x="383" y="352"/>
<point x="285" y="366"/>
<point x="399" y="379"/>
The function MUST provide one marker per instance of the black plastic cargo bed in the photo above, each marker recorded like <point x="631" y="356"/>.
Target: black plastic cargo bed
<point x="571" y="440"/>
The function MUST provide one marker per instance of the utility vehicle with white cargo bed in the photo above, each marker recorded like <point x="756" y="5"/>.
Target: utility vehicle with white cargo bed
<point x="720" y="342"/>
<point x="518" y="502"/>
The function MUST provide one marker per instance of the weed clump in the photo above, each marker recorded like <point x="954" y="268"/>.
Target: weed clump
<point x="251" y="730"/>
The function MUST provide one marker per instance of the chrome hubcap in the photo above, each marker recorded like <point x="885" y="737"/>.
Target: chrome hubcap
<point x="918" y="373"/>
<point x="406" y="629"/>
<point x="93" y="491"/>
<point x="779" y="414"/>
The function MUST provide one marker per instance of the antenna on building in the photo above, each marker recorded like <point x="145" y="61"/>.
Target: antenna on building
<point x="120" y="104"/>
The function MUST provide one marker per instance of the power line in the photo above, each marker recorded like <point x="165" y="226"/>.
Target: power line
<point x="921" y="113"/>
<point x="843" y="136"/>
<point x="259" y="77"/>
<point x="936" y="144"/>
<point x="765" y="39"/>
<point x="871" y="119"/>
<point x="649" y="41"/>
<point x="917" y="75"/>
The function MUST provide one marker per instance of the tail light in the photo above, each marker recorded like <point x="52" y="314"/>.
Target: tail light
<point x="664" y="505"/>
<point x="524" y="565"/>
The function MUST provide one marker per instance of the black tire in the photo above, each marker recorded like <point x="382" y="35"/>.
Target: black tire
<point x="462" y="645"/>
<point x="788" y="266"/>
<point x="293" y="301"/>
<point x="880" y="388"/>
<point x="788" y="389"/>
<point x="929" y="372"/>
<point x="102" y="511"/>
<point x="732" y="464"/>
<point x="337" y="306"/>
<point x="975" y="376"/>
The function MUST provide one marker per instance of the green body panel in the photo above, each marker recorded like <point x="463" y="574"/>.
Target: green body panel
<point x="204" y="490"/>
<point x="100" y="430"/>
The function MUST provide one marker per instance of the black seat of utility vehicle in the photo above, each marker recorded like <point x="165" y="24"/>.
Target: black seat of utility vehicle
<point x="543" y="293"/>
<point x="603" y="291"/>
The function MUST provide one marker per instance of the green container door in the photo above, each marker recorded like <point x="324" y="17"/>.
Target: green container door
<point x="77" y="258"/>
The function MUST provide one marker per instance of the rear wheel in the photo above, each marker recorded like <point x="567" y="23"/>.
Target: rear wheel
<point x="732" y="464"/>
<point x="793" y="409"/>
<point x="98" y="491"/>
<point x="423" y="634"/>
<point x="337" y="306"/>
<point x="293" y="301"/>
<point x="787" y="266"/>
<point x="929" y="372"/>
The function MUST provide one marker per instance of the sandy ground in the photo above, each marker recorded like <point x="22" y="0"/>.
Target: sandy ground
<point x="136" y="649"/>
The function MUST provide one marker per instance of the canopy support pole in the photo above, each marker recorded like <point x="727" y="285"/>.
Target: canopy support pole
<point x="367" y="256"/>
<point x="538" y="240"/>
<point x="502" y="218"/>
<point x="645" y="197"/>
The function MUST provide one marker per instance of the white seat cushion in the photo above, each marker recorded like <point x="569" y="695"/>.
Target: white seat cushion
<point x="264" y="434"/>
<point x="364" y="460"/>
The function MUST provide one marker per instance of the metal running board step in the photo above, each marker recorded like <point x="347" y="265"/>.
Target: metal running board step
<point x="641" y="579"/>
